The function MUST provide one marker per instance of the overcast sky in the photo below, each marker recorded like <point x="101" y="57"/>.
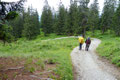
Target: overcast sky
<point x="38" y="4"/>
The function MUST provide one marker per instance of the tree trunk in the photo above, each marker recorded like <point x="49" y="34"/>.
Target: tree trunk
<point x="4" y="42"/>
<point x="84" y="33"/>
<point x="93" y="32"/>
<point x="103" y="31"/>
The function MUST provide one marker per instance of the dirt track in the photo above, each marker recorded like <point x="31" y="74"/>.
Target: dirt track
<point x="89" y="66"/>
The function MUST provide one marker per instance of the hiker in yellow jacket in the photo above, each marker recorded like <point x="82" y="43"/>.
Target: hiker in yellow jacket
<point x="81" y="41"/>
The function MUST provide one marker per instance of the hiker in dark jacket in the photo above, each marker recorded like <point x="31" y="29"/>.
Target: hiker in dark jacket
<point x="88" y="42"/>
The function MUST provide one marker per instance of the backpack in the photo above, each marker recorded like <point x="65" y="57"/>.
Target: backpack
<point x="88" y="41"/>
<point x="81" y="40"/>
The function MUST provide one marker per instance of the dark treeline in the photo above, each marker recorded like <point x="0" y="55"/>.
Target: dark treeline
<point x="79" y="18"/>
<point x="75" y="20"/>
<point x="26" y="25"/>
<point x="72" y="21"/>
<point x="8" y="13"/>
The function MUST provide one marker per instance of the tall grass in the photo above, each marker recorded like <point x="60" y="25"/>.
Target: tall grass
<point x="110" y="47"/>
<point x="57" y="51"/>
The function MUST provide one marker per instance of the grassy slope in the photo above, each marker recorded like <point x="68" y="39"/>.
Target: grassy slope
<point x="56" y="50"/>
<point x="110" y="47"/>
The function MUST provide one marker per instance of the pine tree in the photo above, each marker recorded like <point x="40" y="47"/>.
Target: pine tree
<point x="93" y="16"/>
<point x="50" y="21"/>
<point x="68" y="22"/>
<point x="5" y="33"/>
<point x="84" y="15"/>
<point x="6" y="14"/>
<point x="116" y="21"/>
<point x="107" y="15"/>
<point x="61" y="20"/>
<point x="73" y="19"/>
<point x="36" y="23"/>
<point x="67" y="26"/>
<point x="17" y="26"/>
<point x="55" y="20"/>
<point x="31" y="24"/>
<point x="47" y="19"/>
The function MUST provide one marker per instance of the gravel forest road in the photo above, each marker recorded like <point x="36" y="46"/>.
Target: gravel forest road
<point x="89" y="66"/>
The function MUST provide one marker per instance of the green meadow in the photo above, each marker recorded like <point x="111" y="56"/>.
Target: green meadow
<point x="54" y="51"/>
<point x="109" y="47"/>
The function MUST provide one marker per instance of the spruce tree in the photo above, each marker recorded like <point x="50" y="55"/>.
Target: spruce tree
<point x="47" y="19"/>
<point x="55" y="20"/>
<point x="84" y="15"/>
<point x="93" y="17"/>
<point x="67" y="26"/>
<point x="61" y="20"/>
<point x="6" y="14"/>
<point x="116" y="21"/>
<point x="73" y="19"/>
<point x="17" y="26"/>
<point x="107" y="15"/>
<point x="31" y="24"/>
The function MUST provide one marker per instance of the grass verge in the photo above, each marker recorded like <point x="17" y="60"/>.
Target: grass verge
<point x="109" y="47"/>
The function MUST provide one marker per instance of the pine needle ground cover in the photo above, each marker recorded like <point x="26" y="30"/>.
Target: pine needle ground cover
<point x="37" y="59"/>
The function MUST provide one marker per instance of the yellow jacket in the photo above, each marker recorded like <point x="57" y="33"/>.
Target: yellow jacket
<point x="81" y="40"/>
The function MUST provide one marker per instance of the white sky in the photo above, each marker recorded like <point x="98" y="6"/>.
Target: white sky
<point x="38" y="4"/>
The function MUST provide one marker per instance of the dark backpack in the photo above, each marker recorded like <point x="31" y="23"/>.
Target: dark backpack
<point x="88" y="41"/>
